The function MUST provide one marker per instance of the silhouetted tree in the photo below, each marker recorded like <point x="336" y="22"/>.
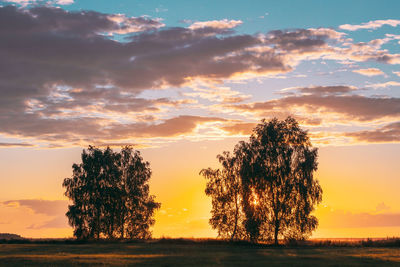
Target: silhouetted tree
<point x="224" y="186"/>
<point x="110" y="195"/>
<point x="278" y="192"/>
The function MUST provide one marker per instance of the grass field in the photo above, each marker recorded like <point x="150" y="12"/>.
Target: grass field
<point x="197" y="254"/>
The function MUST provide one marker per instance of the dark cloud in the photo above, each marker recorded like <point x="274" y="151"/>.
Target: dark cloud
<point x="356" y="107"/>
<point x="326" y="90"/>
<point x="43" y="47"/>
<point x="387" y="133"/>
<point x="52" y="129"/>
<point x="49" y="20"/>
<point x="85" y="131"/>
<point x="301" y="40"/>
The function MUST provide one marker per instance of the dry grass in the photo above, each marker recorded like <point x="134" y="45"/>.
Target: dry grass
<point x="186" y="252"/>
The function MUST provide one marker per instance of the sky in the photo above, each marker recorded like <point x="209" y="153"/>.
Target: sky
<point x="183" y="81"/>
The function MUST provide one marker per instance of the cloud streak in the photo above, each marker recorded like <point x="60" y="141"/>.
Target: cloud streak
<point x="216" y="24"/>
<point x="35" y="2"/>
<point x="374" y="24"/>
<point x="384" y="85"/>
<point x="16" y="145"/>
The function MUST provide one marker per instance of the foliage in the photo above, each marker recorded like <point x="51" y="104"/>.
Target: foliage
<point x="110" y="195"/>
<point x="224" y="187"/>
<point x="273" y="177"/>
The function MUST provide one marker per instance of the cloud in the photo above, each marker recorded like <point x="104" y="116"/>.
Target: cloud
<point x="397" y="73"/>
<point x="369" y="72"/>
<point x="74" y="76"/>
<point x="65" y="2"/>
<point x="169" y="128"/>
<point x="386" y="134"/>
<point x="242" y="128"/>
<point x="39" y="206"/>
<point x="235" y="99"/>
<point x="327" y="111"/>
<point x="341" y="219"/>
<point x="320" y="90"/>
<point x="57" y="222"/>
<point x="83" y="131"/>
<point x="324" y="100"/>
<point x="64" y="78"/>
<point x="374" y="24"/>
<point x="324" y="43"/>
<point x="161" y="9"/>
<point x="384" y="85"/>
<point x="35" y="2"/>
<point x="56" y="22"/>
<point x="215" y="93"/>
<point x="55" y="209"/>
<point x="16" y="145"/>
<point x="148" y="60"/>
<point x="246" y="128"/>
<point x="217" y="24"/>
<point x="302" y="41"/>
<point x="134" y="24"/>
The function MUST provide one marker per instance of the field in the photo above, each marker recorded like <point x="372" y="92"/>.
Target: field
<point x="192" y="254"/>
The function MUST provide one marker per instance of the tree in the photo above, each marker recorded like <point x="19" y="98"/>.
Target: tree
<point x="274" y="171"/>
<point x="224" y="188"/>
<point x="110" y="195"/>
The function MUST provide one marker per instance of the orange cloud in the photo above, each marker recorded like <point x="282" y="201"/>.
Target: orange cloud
<point x="243" y="128"/>
<point x="16" y="145"/>
<point x="369" y="72"/>
<point x="387" y="133"/>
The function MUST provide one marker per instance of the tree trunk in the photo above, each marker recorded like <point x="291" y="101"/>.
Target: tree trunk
<point x="236" y="219"/>
<point x="122" y="227"/>
<point x="276" y="236"/>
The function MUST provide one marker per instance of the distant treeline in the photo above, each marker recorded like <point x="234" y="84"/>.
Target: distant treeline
<point x="7" y="236"/>
<point x="368" y="242"/>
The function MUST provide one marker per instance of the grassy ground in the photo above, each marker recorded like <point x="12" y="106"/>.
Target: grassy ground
<point x="164" y="254"/>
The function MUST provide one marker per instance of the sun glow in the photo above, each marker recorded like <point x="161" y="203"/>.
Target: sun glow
<point x="254" y="198"/>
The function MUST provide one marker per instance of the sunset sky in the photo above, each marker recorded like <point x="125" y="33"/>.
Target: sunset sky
<point x="185" y="80"/>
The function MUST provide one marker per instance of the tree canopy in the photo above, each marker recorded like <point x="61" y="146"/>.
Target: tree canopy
<point x="266" y="189"/>
<point x="110" y="195"/>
